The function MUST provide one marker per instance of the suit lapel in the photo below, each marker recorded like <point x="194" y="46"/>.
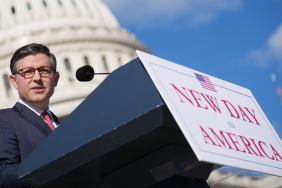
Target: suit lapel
<point x="33" y="118"/>
<point x="57" y="120"/>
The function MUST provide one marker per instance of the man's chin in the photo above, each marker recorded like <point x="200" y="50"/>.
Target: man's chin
<point x="38" y="99"/>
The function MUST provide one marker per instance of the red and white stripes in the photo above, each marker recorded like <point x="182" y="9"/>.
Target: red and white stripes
<point x="207" y="84"/>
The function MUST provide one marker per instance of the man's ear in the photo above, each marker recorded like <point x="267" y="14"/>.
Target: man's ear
<point x="14" y="81"/>
<point x="57" y="76"/>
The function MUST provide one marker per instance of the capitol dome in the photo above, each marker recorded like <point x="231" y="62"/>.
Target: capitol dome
<point x="78" y="32"/>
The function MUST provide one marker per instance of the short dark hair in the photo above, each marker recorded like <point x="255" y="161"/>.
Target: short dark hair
<point x="31" y="49"/>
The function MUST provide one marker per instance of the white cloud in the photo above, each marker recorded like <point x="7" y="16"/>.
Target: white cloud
<point x="271" y="52"/>
<point x="149" y="13"/>
<point x="275" y="43"/>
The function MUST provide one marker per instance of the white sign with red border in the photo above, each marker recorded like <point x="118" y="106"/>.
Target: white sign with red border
<point x="222" y="122"/>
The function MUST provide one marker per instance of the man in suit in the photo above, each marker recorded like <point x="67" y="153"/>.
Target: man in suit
<point x="25" y="125"/>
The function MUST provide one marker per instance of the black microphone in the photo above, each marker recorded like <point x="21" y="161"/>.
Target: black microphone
<point x="86" y="73"/>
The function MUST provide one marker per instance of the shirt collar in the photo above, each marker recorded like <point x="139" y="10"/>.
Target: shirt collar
<point x="35" y="109"/>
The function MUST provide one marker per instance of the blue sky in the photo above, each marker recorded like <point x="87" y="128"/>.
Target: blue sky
<point x="234" y="40"/>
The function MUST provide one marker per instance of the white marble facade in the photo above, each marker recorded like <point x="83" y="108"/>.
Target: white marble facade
<point x="217" y="180"/>
<point x="78" y="32"/>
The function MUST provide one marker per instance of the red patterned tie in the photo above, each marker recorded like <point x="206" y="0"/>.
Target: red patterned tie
<point x="48" y="120"/>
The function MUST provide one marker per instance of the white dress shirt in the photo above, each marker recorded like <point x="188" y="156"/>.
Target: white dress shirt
<point x="38" y="111"/>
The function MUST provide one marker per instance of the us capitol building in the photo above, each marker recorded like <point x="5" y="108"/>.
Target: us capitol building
<point x="79" y="32"/>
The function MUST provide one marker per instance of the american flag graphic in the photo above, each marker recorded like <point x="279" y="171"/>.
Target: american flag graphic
<point x="205" y="82"/>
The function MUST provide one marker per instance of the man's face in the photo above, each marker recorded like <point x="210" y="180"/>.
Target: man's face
<point x="36" y="90"/>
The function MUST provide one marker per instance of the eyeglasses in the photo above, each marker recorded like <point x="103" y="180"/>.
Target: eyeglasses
<point x="29" y="72"/>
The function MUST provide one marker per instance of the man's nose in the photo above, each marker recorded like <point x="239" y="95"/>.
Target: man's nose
<point x="36" y="76"/>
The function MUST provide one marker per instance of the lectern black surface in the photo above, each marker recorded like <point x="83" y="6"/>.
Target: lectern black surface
<point x="122" y="135"/>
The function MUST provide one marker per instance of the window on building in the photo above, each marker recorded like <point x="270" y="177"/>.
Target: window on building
<point x="85" y="4"/>
<point x="44" y="3"/>
<point x="73" y="3"/>
<point x="28" y="6"/>
<point x="60" y="3"/>
<point x="95" y="6"/>
<point x="7" y="85"/>
<point x="105" y="63"/>
<point x="69" y="71"/>
<point x="119" y="61"/>
<point x="86" y="60"/>
<point x="13" y="10"/>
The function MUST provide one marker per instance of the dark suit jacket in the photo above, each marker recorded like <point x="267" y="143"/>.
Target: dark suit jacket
<point x="21" y="130"/>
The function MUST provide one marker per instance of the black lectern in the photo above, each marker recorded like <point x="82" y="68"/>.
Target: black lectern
<point x="121" y="136"/>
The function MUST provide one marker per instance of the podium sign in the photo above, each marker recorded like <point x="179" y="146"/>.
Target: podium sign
<point x="222" y="122"/>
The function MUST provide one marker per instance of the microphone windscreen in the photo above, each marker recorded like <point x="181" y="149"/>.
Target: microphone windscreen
<point x="85" y="73"/>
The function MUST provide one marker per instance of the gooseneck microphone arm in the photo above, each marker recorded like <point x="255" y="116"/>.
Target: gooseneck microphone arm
<point x="96" y="73"/>
<point x="86" y="73"/>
